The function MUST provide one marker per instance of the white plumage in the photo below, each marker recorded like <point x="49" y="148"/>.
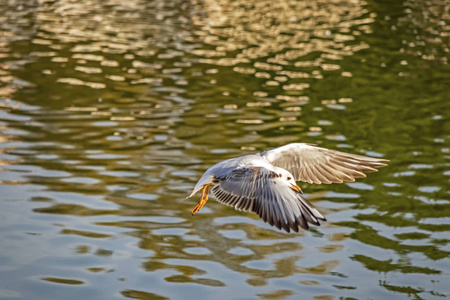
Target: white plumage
<point x="265" y="183"/>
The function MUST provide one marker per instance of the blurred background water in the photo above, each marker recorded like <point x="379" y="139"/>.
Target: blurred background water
<point x="111" y="111"/>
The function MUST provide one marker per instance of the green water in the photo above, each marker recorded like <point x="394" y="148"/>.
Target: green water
<point x="110" y="111"/>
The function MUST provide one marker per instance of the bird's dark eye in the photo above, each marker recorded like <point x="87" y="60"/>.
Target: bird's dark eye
<point x="289" y="178"/>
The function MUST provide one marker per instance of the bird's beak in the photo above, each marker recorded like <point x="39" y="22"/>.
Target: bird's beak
<point x="296" y="187"/>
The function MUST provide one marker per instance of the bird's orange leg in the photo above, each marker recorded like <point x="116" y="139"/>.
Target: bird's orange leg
<point x="203" y="199"/>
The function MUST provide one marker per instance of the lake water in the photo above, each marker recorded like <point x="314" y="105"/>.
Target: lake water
<point x="112" y="110"/>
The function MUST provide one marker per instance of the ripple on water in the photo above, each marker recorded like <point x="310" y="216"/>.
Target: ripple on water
<point x="63" y="280"/>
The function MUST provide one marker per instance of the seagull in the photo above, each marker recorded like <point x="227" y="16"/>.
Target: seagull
<point x="265" y="183"/>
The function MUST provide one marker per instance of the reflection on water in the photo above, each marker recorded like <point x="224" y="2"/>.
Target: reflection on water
<point x="110" y="111"/>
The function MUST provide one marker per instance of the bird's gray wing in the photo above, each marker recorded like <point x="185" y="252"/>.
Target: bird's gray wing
<point x="262" y="191"/>
<point x="313" y="164"/>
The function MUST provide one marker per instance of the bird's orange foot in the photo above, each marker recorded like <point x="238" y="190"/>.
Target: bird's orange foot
<point x="203" y="199"/>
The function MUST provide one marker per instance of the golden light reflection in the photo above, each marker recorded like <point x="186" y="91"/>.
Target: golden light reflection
<point x="265" y="38"/>
<point x="75" y="81"/>
<point x="287" y="43"/>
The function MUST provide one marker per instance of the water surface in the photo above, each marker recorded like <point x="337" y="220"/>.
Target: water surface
<point x="111" y="111"/>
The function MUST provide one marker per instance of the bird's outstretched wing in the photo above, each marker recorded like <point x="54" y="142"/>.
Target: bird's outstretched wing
<point x="313" y="164"/>
<point x="262" y="191"/>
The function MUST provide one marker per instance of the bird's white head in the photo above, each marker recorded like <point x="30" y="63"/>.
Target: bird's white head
<point x="286" y="175"/>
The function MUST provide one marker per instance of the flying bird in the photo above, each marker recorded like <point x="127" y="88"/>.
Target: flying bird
<point x="265" y="183"/>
